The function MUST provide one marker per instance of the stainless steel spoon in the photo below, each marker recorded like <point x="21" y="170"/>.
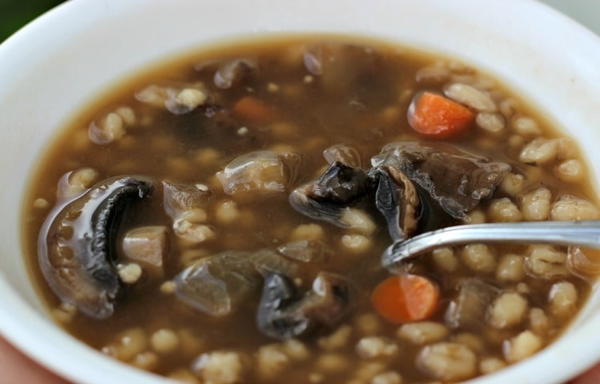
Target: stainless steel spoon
<point x="582" y="233"/>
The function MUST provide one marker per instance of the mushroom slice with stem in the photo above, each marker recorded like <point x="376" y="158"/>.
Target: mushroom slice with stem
<point x="457" y="180"/>
<point x="284" y="314"/>
<point x="398" y="201"/>
<point x="76" y="245"/>
<point x="325" y="198"/>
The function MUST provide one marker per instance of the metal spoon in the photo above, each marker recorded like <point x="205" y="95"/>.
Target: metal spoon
<point x="582" y="233"/>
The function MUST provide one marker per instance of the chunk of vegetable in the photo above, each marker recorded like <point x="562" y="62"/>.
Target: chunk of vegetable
<point x="406" y="298"/>
<point x="259" y="171"/>
<point x="253" y="110"/>
<point x="437" y="117"/>
<point x="147" y="246"/>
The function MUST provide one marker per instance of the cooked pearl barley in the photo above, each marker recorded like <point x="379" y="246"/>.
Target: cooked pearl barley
<point x="510" y="268"/>
<point x="538" y="321"/>
<point x="219" y="367"/>
<point x="447" y="361"/>
<point x="521" y="346"/>
<point x="191" y="98"/>
<point x="146" y="360"/>
<point x="271" y="361"/>
<point x="539" y="151"/>
<point x="471" y="96"/>
<point x="508" y="107"/>
<point x="296" y="350"/>
<point x="570" y="171"/>
<point x="109" y="129"/>
<point x="337" y="340"/>
<point x="308" y="232"/>
<point x="444" y="259"/>
<point x="512" y="184"/>
<point x="423" y="332"/>
<point x="358" y="221"/>
<point x="504" y="210"/>
<point x="83" y="178"/>
<point x="474" y="342"/>
<point x="168" y="287"/>
<point x="562" y="299"/>
<point x="164" y="341"/>
<point x="227" y="212"/>
<point x="490" y="122"/>
<point x="387" y="378"/>
<point x="356" y="243"/>
<point x="373" y="346"/>
<point x="491" y="364"/>
<point x="570" y="208"/>
<point x="128" y="344"/>
<point x="127" y="114"/>
<point x="507" y="310"/>
<point x="475" y="217"/>
<point x="41" y="203"/>
<point x="536" y="205"/>
<point x="526" y="126"/>
<point x="129" y="273"/>
<point x="544" y="261"/>
<point x="479" y="258"/>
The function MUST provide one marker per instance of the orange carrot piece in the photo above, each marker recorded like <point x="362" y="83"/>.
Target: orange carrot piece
<point x="406" y="298"/>
<point x="438" y="117"/>
<point x="254" y="110"/>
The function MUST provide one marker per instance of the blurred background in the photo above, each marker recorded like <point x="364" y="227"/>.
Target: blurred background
<point x="16" y="13"/>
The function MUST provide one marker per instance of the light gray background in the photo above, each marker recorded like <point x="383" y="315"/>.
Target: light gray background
<point x="587" y="12"/>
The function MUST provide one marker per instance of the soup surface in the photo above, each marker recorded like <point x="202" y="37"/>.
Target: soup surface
<point x="222" y="219"/>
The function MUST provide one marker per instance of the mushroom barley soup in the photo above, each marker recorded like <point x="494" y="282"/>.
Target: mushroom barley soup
<point x="221" y="219"/>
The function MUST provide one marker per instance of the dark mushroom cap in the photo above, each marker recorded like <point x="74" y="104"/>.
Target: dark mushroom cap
<point x="76" y="244"/>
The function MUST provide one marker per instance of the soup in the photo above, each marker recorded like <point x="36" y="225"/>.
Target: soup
<point x="221" y="219"/>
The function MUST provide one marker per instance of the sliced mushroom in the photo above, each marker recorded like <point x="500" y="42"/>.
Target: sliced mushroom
<point x="284" y="314"/>
<point x="398" y="201"/>
<point x="467" y="310"/>
<point x="260" y="171"/>
<point x="232" y="72"/>
<point x="455" y="179"/>
<point x="344" y="154"/>
<point x="76" y="245"/>
<point x="218" y="285"/>
<point x="325" y="198"/>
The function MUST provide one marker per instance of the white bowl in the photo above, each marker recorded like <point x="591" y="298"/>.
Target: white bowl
<point x="63" y="60"/>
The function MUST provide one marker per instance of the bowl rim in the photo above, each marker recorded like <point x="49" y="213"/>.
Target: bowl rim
<point x="18" y="330"/>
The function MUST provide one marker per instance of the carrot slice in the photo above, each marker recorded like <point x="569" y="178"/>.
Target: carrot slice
<point x="252" y="109"/>
<point x="406" y="298"/>
<point x="437" y="117"/>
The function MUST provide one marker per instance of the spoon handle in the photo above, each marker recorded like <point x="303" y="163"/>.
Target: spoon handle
<point x="582" y="233"/>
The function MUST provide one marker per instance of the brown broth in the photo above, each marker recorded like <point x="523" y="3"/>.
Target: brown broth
<point x="365" y="112"/>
